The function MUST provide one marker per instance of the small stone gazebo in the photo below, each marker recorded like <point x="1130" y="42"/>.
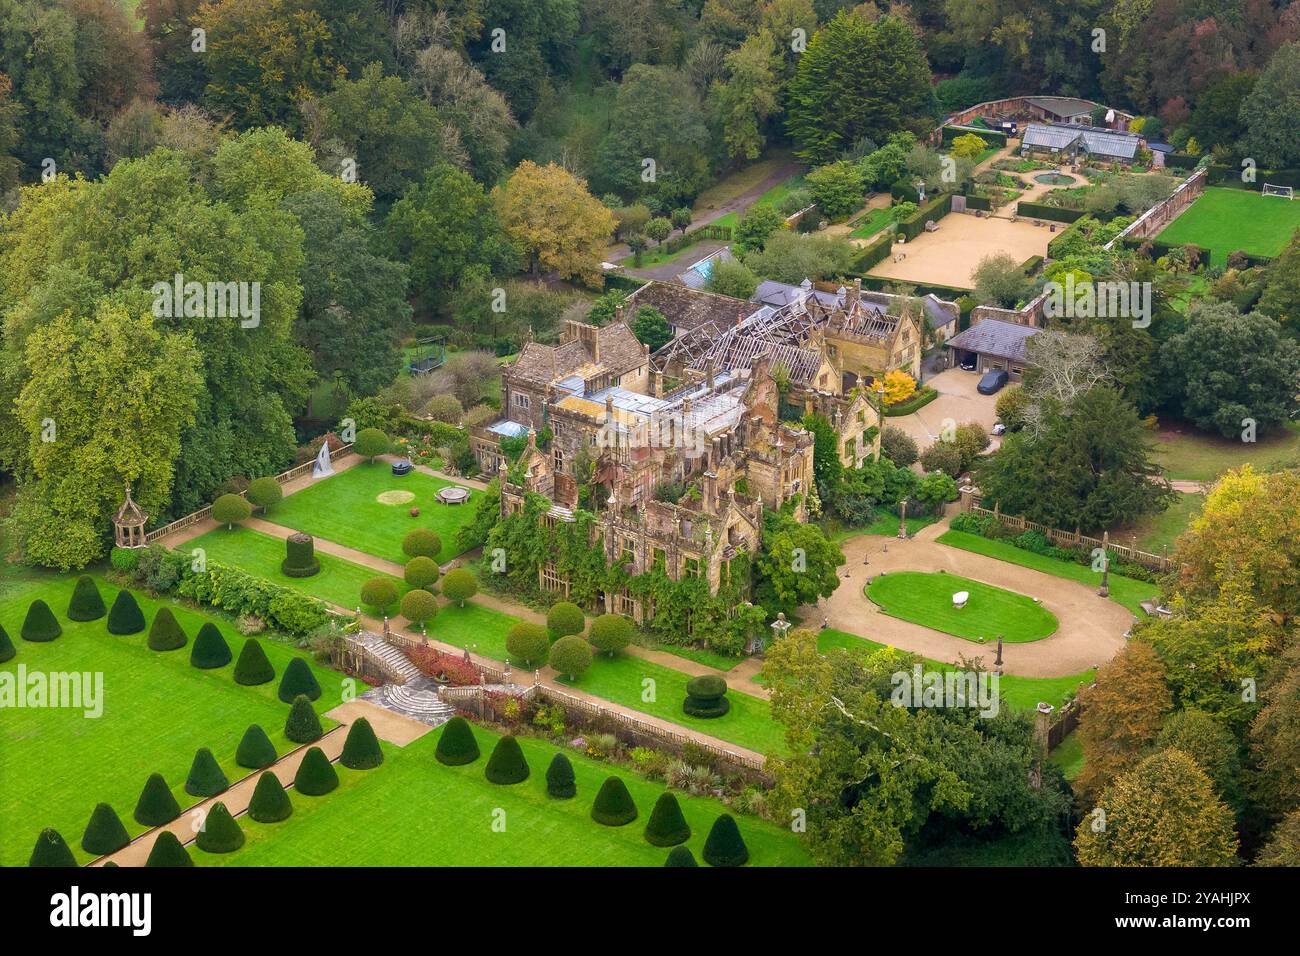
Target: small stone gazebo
<point x="129" y="522"/>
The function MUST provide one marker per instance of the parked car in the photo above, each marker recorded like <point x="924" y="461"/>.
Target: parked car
<point x="402" y="466"/>
<point x="968" y="364"/>
<point x="992" y="381"/>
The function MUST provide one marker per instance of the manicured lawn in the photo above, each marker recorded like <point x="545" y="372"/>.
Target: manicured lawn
<point x="1227" y="220"/>
<point x="339" y="582"/>
<point x="700" y="655"/>
<point x="884" y="524"/>
<point x="1021" y="693"/>
<point x="926" y="599"/>
<point x="56" y="764"/>
<point x="1156" y="533"/>
<point x="479" y="628"/>
<point x="871" y="223"/>
<point x="345" y="509"/>
<point x="1192" y="455"/>
<point x="414" y="811"/>
<point x="1126" y="591"/>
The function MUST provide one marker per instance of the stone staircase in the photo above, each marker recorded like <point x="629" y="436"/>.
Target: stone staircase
<point x="417" y="699"/>
<point x="397" y="665"/>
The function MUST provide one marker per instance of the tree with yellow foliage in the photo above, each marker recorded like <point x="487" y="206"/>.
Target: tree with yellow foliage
<point x="899" y="386"/>
<point x="556" y="223"/>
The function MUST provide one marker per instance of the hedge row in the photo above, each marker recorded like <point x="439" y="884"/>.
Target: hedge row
<point x="1036" y="210"/>
<point x="934" y="209"/>
<point x="924" y="396"/>
<point x="982" y="203"/>
<point x="992" y="137"/>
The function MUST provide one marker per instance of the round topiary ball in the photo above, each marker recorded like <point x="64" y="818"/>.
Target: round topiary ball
<point x="706" y="697"/>
<point x="507" y="764"/>
<point x="265" y="492"/>
<point x="564" y="619"/>
<point x="611" y="633"/>
<point x="724" y="846"/>
<point x="168" y="852"/>
<point x="667" y="826"/>
<point x="298" y="679"/>
<point x="253" y="668"/>
<point x="300" y="559"/>
<point x="614" y="806"/>
<point x="457" y="746"/>
<point x="560" y="782"/>
<point x="269" y="803"/>
<point x="40" y="626"/>
<point x="420" y="572"/>
<point x="125" y="617"/>
<point x="419" y="607"/>
<point x="316" y="776"/>
<point x="422" y="543"/>
<point x="361" y="750"/>
<point x="302" y="726"/>
<point x="86" y="603"/>
<point x="379" y="593"/>
<point x="230" y="510"/>
<point x="459" y="585"/>
<point x="219" y="833"/>
<point x="570" y="656"/>
<point x="528" y="644"/>
<point x="165" y="634"/>
<point x="255" y="750"/>
<point x="371" y="443"/>
<point x="210" y="649"/>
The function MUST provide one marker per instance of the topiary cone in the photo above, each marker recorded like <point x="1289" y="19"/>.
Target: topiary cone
<point x="253" y="668"/>
<point x="298" y="679"/>
<point x="361" y="751"/>
<point x="724" y="845"/>
<point x="104" y="833"/>
<point x="255" y="750"/>
<point x="559" y="778"/>
<point x="206" y="778"/>
<point x="457" y="746"/>
<point x="220" y="832"/>
<point x="614" y="806"/>
<point x="167" y="851"/>
<point x="667" y="826"/>
<point x="316" y="775"/>
<point x="166" y="633"/>
<point x="270" y="804"/>
<point x="507" y="764"/>
<point x="125" y="617"/>
<point x="50" y="850"/>
<point x="7" y="649"/>
<point x="40" y="626"/>
<point x="210" y="649"/>
<point x="302" y="725"/>
<point x="680" y="856"/>
<point x="86" y="603"/>
<point x="156" y="805"/>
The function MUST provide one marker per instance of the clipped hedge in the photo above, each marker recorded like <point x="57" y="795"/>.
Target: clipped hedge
<point x="269" y="803"/>
<point x="935" y="209"/>
<point x="667" y="826"/>
<point x="206" y="778"/>
<point x="300" y="559"/>
<point x="255" y="749"/>
<point x="253" y="668"/>
<point x="7" y="649"/>
<point x="51" y="850"/>
<point x="992" y="137"/>
<point x="361" y="750"/>
<point x="680" y="856"/>
<point x="156" y="805"/>
<point x="210" y="649"/>
<point x="1036" y="210"/>
<point x="614" y="806"/>
<point x="507" y="765"/>
<point x="302" y="726"/>
<point x="457" y="746"/>
<point x="166" y="634"/>
<point x="706" y="697"/>
<point x="560" y="782"/>
<point x="298" y="679"/>
<point x="125" y="617"/>
<point x="104" y="832"/>
<point x="316" y="776"/>
<point x="724" y="845"/>
<point x="219" y="833"/>
<point x="238" y="592"/>
<point x="40" y="626"/>
<point x="167" y="851"/>
<point x="87" y="604"/>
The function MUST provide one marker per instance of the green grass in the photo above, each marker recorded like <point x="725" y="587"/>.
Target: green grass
<point x="700" y="655"/>
<point x="885" y="524"/>
<point x="1126" y="591"/>
<point x="926" y="598"/>
<point x="1160" y="531"/>
<point x="870" y="224"/>
<point x="1191" y="455"/>
<point x="344" y="509"/>
<point x="479" y="628"/>
<point x="1069" y="755"/>
<point x="1227" y="220"/>
<point x="1020" y="693"/>
<point x="414" y="811"/>
<point x="56" y="764"/>
<point x="339" y="582"/>
<point x="770" y="198"/>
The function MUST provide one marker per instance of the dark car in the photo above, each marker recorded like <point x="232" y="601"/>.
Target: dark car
<point x="992" y="381"/>
<point x="968" y="364"/>
<point x="402" y="466"/>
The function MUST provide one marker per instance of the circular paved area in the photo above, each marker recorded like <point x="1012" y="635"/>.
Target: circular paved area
<point x="1091" y="628"/>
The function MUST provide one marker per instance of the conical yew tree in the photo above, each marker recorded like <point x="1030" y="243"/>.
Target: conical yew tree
<point x="206" y="778"/>
<point x="86" y="603"/>
<point x="680" y="856"/>
<point x="457" y="746"/>
<point x="50" y="850"/>
<point x="302" y="725"/>
<point x="210" y="649"/>
<point x="255" y="750"/>
<point x="298" y="679"/>
<point x="724" y="846"/>
<point x="269" y="804"/>
<point x="40" y="626"/>
<point x="156" y="805"/>
<point x="253" y="668"/>
<point x="559" y="778"/>
<point x="167" y="851"/>
<point x="507" y="764"/>
<point x="219" y="833"/>
<point x="166" y="633"/>
<point x="667" y="826"/>
<point x="7" y="649"/>
<point x="125" y="617"/>
<point x="361" y="751"/>
<point x="614" y="806"/>
<point x="104" y="833"/>
<point x="316" y="775"/>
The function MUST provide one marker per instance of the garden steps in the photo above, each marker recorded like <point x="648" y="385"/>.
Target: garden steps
<point x="392" y="657"/>
<point x="417" y="699"/>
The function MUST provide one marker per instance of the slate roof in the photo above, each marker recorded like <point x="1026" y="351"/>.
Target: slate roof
<point x="941" y="313"/>
<point x="620" y="351"/>
<point x="994" y="337"/>
<point x="687" y="309"/>
<point x="1063" y="106"/>
<point x="780" y="294"/>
